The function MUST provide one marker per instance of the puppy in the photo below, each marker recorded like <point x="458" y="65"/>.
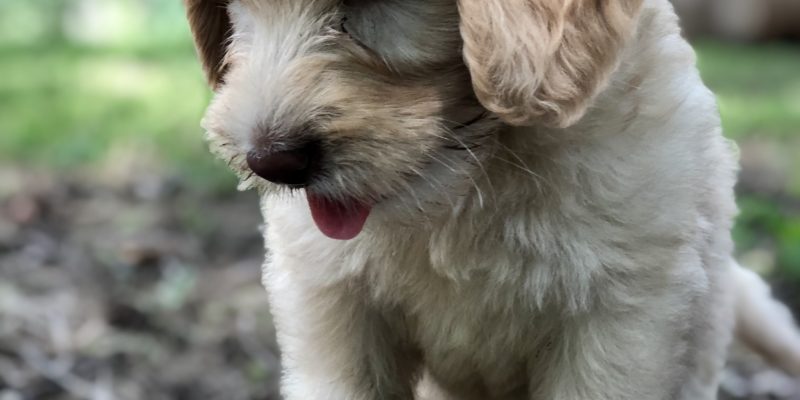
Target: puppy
<point x="503" y="199"/>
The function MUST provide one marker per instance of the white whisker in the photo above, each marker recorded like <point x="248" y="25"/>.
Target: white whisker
<point x="479" y="164"/>
<point x="435" y="183"/>
<point x="523" y="166"/>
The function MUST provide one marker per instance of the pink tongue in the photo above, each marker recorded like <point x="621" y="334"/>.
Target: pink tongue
<point x="338" y="220"/>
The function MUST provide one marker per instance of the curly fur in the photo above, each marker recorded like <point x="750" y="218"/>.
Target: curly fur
<point x="543" y="61"/>
<point x="553" y="197"/>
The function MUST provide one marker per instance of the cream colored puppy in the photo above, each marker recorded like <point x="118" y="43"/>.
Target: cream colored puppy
<point x="516" y="199"/>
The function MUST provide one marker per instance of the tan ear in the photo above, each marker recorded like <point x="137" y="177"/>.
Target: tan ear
<point x="211" y="28"/>
<point x="543" y="61"/>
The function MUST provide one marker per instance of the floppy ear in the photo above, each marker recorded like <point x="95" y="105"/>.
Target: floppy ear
<point x="543" y="61"/>
<point x="211" y="27"/>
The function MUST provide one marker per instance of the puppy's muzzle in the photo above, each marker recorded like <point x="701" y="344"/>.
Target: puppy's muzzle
<point x="294" y="167"/>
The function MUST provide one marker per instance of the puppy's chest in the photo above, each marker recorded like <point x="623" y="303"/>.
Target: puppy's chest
<point x="478" y="332"/>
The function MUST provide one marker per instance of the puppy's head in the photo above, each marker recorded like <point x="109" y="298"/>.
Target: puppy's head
<point x="366" y="102"/>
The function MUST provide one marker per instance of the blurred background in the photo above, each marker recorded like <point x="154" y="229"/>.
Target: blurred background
<point x="129" y="264"/>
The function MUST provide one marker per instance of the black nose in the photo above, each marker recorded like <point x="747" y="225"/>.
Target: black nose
<point x="293" y="167"/>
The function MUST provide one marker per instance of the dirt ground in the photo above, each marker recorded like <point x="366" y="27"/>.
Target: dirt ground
<point x="140" y="288"/>
<point x="132" y="290"/>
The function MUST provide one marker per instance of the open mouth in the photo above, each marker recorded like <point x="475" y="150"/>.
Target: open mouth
<point x="338" y="219"/>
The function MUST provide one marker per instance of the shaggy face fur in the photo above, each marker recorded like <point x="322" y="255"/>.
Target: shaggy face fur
<point x="389" y="109"/>
<point x="550" y="196"/>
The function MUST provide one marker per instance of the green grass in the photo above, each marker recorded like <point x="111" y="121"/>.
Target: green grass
<point x="69" y="107"/>
<point x="766" y="225"/>
<point x="758" y="87"/>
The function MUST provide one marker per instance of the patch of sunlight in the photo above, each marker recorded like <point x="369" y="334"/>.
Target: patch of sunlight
<point x="101" y="22"/>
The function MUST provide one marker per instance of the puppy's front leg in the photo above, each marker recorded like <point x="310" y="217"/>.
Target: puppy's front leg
<point x="621" y="356"/>
<point x="333" y="346"/>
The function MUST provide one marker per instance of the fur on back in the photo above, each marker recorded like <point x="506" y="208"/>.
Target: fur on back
<point x="571" y="244"/>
